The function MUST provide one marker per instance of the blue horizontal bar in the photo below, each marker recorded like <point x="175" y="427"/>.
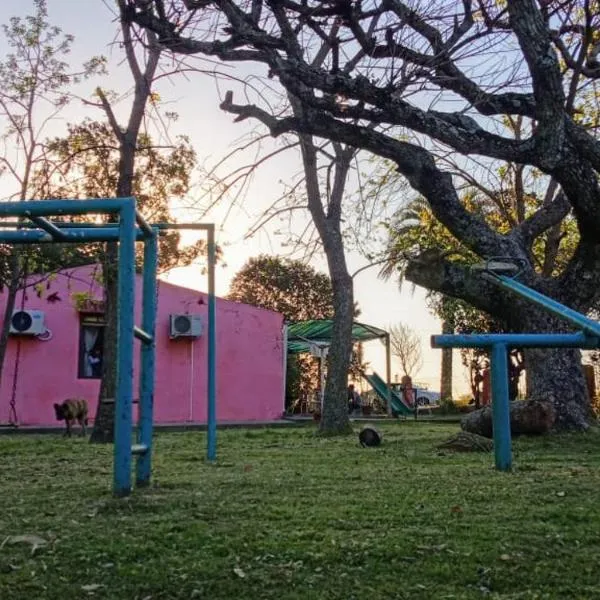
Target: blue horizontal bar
<point x="44" y="208"/>
<point x="551" y="305"/>
<point x="516" y="340"/>
<point x="159" y="226"/>
<point x="72" y="236"/>
<point x="59" y="224"/>
<point x="140" y="334"/>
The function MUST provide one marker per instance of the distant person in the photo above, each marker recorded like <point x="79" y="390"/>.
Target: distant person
<point x="354" y="400"/>
<point x="95" y="362"/>
<point x="408" y="392"/>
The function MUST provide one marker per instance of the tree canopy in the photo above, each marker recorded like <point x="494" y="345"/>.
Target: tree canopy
<point x="89" y="156"/>
<point x="290" y="287"/>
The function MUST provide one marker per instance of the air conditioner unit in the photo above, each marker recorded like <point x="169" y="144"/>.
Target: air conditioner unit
<point x="185" y="326"/>
<point x="27" y="322"/>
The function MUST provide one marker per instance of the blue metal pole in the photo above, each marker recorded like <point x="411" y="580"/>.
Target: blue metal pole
<point x="500" y="407"/>
<point x="44" y="208"/>
<point x="72" y="235"/>
<point x="516" y="340"/>
<point x="124" y="355"/>
<point x="551" y="305"/>
<point x="148" y="360"/>
<point x="211" y="452"/>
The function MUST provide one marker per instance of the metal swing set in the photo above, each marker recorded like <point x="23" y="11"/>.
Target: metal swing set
<point x="130" y="228"/>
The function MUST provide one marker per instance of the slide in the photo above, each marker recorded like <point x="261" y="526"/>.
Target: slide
<point x="382" y="390"/>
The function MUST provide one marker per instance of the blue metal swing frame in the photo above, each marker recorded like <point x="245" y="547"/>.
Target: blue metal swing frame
<point x="588" y="337"/>
<point x="131" y="227"/>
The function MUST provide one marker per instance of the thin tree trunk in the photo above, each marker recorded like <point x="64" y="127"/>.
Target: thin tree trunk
<point x="334" y="419"/>
<point x="103" y="431"/>
<point x="446" y="374"/>
<point x="11" y="296"/>
<point x="105" y="413"/>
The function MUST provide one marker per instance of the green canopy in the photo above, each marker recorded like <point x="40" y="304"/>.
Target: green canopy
<point x="303" y="333"/>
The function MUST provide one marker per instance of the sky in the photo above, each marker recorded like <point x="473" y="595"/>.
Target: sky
<point x="213" y="134"/>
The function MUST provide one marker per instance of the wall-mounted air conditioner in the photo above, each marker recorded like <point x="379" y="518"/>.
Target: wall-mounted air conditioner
<point x="185" y="326"/>
<point x="27" y="322"/>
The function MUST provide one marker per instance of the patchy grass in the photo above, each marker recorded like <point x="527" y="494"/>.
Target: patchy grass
<point x="287" y="515"/>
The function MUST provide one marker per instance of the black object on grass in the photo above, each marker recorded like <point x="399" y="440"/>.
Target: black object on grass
<point x="369" y="437"/>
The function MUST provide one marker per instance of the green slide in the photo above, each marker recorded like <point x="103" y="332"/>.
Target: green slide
<point x="382" y="390"/>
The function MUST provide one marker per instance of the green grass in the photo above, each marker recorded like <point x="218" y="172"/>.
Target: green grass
<point x="288" y="515"/>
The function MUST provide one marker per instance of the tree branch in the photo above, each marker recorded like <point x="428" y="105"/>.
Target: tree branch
<point x="415" y="163"/>
<point x="536" y="43"/>
<point x="457" y="281"/>
<point x="543" y="219"/>
<point x="110" y="115"/>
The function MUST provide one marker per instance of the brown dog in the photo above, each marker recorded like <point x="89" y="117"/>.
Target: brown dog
<point x="72" y="410"/>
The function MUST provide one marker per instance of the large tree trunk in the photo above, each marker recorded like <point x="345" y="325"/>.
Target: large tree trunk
<point x="555" y="375"/>
<point x="446" y="371"/>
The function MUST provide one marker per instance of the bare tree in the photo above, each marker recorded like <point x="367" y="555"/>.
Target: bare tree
<point x="322" y="188"/>
<point x="406" y="347"/>
<point x="440" y="75"/>
<point x="143" y="58"/>
<point x="143" y="72"/>
<point x="35" y="88"/>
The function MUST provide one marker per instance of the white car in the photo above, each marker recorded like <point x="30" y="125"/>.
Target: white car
<point x="427" y="397"/>
<point x="424" y="397"/>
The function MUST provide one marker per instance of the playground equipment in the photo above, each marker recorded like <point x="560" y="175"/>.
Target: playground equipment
<point x="503" y="272"/>
<point x="131" y="227"/>
<point x="388" y="394"/>
<point x="315" y="335"/>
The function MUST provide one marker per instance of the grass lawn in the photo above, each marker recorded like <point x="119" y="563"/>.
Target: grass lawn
<point x="287" y="515"/>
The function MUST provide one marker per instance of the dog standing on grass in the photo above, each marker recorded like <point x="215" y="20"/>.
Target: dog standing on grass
<point x="70" y="411"/>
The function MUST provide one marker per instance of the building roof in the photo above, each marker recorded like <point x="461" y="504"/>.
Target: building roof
<point x="302" y="334"/>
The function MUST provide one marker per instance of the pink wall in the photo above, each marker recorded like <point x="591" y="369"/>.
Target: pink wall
<point x="249" y="358"/>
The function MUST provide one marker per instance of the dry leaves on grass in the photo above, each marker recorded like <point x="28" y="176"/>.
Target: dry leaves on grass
<point x="239" y="572"/>
<point x="35" y="541"/>
<point x="92" y="587"/>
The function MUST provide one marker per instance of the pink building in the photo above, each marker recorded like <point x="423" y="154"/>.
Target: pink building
<point x="64" y="360"/>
